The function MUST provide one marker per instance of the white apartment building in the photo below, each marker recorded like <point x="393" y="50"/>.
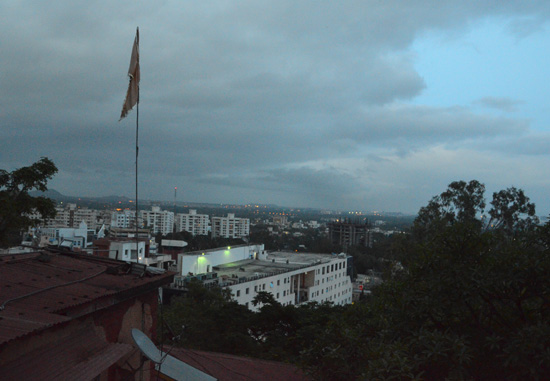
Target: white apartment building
<point x="292" y="278"/>
<point x="196" y="224"/>
<point x="123" y="219"/>
<point x="159" y="221"/>
<point x="230" y="226"/>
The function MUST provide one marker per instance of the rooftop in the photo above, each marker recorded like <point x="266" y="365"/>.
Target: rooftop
<point x="276" y="263"/>
<point x="42" y="289"/>
<point x="225" y="367"/>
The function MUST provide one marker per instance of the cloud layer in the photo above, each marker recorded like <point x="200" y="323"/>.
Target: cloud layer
<point x="293" y="103"/>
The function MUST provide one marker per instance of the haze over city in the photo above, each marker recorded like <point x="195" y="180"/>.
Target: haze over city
<point x="364" y="105"/>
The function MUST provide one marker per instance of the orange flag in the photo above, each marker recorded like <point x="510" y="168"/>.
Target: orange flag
<point x="132" y="96"/>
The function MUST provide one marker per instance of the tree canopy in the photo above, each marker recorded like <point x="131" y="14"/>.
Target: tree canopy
<point x="18" y="205"/>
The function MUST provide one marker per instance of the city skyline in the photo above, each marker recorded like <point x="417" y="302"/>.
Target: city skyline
<point x="344" y="106"/>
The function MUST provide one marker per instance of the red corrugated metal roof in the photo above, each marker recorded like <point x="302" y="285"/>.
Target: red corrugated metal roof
<point x="80" y="356"/>
<point x="226" y="367"/>
<point x="42" y="289"/>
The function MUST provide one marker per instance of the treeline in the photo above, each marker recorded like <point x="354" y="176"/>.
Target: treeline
<point x="472" y="302"/>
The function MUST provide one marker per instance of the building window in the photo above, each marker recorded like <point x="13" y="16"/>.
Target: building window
<point x="277" y="295"/>
<point x="278" y="282"/>
<point x="255" y="288"/>
<point x="263" y="286"/>
<point x="238" y="293"/>
<point x="247" y="289"/>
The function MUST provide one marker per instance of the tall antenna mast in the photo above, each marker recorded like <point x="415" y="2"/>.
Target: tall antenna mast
<point x="175" y="194"/>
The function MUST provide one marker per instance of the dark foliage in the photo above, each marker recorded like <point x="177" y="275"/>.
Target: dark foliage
<point x="16" y="203"/>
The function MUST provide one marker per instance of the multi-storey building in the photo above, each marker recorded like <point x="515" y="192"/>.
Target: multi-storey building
<point x="230" y="226"/>
<point x="348" y="233"/>
<point x="280" y="220"/>
<point x="71" y="216"/>
<point x="292" y="278"/>
<point x="159" y="221"/>
<point x="196" y="224"/>
<point x="123" y="219"/>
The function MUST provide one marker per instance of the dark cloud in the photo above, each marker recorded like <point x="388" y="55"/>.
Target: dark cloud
<point x="285" y="102"/>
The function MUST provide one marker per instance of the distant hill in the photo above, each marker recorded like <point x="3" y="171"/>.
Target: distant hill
<point x="54" y="195"/>
<point x="59" y="197"/>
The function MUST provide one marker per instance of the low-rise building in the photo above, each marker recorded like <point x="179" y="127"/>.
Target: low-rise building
<point x="80" y="238"/>
<point x="124" y="249"/>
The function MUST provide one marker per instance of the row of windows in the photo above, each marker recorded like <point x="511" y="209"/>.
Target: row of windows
<point x="327" y="290"/>
<point x="331" y="268"/>
<point x="260" y="287"/>
<point x="330" y="278"/>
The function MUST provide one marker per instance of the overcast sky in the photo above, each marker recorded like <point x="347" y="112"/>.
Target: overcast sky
<point x="363" y="105"/>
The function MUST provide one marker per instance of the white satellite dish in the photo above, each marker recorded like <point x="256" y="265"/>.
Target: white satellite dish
<point x="146" y="346"/>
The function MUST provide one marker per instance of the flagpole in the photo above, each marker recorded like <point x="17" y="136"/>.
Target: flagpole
<point x="137" y="153"/>
<point x="131" y="100"/>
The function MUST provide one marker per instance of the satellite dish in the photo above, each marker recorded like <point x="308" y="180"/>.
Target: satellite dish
<point x="146" y="346"/>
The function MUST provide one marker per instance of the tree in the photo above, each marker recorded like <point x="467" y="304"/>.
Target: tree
<point x="461" y="203"/>
<point x="464" y="203"/>
<point x="18" y="205"/>
<point x="473" y="302"/>
<point x="512" y="211"/>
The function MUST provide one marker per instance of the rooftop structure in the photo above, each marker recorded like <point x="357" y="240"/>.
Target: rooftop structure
<point x="201" y="262"/>
<point x="68" y="316"/>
